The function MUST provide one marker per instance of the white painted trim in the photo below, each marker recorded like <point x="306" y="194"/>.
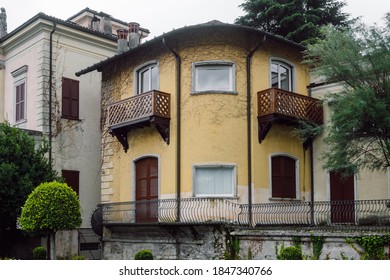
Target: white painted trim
<point x="216" y="165"/>
<point x="288" y="63"/>
<point x="134" y="173"/>
<point x="233" y="76"/>
<point x="140" y="67"/>
<point x="297" y="176"/>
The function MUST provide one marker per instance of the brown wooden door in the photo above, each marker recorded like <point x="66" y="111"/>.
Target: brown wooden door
<point x="283" y="177"/>
<point x="342" y="197"/>
<point x="146" y="190"/>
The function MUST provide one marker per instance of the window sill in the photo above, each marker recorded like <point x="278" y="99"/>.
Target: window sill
<point x="214" y="92"/>
<point x="283" y="199"/>
<point x="216" y="196"/>
<point x="71" y="119"/>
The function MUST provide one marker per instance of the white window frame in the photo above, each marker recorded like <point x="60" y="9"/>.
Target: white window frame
<point x="137" y="77"/>
<point x="287" y="64"/>
<point x="297" y="177"/>
<point x="20" y="77"/>
<point x="212" y="63"/>
<point x="232" y="167"/>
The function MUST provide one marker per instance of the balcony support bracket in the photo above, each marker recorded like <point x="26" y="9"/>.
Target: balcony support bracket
<point x="162" y="126"/>
<point x="121" y="135"/>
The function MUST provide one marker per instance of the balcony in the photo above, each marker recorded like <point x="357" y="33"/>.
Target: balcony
<point x="370" y="214"/>
<point x="284" y="107"/>
<point x="148" y="109"/>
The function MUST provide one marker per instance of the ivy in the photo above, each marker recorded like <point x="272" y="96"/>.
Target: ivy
<point x="373" y="246"/>
<point x="318" y="244"/>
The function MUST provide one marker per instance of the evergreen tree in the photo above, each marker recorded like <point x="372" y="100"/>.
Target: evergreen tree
<point x="22" y="168"/>
<point x="296" y="20"/>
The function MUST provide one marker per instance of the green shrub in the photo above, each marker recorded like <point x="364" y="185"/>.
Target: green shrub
<point x="39" y="253"/>
<point x="144" y="255"/>
<point x="290" y="253"/>
<point x="75" y="258"/>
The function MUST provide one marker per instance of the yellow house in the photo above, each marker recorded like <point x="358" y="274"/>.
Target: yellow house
<point x="205" y="113"/>
<point x="198" y="129"/>
<point x="199" y="140"/>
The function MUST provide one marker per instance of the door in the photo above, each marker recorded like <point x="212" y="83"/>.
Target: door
<point x="146" y="170"/>
<point x="342" y="197"/>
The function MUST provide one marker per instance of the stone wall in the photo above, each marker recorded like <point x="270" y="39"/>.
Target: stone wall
<point x="219" y="242"/>
<point x="165" y="242"/>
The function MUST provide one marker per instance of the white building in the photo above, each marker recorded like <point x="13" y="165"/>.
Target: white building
<point x="39" y="92"/>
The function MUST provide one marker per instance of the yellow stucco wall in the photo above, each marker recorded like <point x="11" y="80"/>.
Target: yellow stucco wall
<point x="214" y="126"/>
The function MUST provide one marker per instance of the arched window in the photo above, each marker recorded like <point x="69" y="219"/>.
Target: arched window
<point x="283" y="176"/>
<point x="281" y="75"/>
<point x="147" y="77"/>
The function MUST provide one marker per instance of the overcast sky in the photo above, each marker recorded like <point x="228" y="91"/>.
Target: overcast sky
<point x="161" y="16"/>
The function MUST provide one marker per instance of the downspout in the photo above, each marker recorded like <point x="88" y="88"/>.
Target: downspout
<point x="51" y="91"/>
<point x="178" y="130"/>
<point x="249" y="125"/>
<point x="311" y="154"/>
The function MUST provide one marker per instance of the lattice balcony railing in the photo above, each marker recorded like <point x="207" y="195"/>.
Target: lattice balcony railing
<point x="300" y="107"/>
<point x="136" y="108"/>
<point x="145" y="109"/>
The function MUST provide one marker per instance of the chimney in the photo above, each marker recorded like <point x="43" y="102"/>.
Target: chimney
<point x="134" y="36"/>
<point x="106" y="25"/>
<point x="122" y="35"/>
<point x="3" y="23"/>
<point x="95" y="24"/>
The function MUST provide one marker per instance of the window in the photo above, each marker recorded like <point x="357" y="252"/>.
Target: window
<point x="213" y="76"/>
<point x="70" y="99"/>
<point x="281" y="75"/>
<point x="20" y="84"/>
<point x="72" y="178"/>
<point x="20" y="102"/>
<point x="147" y="77"/>
<point x="215" y="180"/>
<point x="284" y="177"/>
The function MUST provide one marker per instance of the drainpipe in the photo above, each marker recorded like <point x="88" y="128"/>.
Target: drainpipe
<point x="51" y="91"/>
<point x="309" y="88"/>
<point x="249" y="125"/>
<point x="178" y="131"/>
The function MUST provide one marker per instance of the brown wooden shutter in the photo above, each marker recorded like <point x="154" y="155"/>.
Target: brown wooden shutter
<point x="72" y="178"/>
<point x="70" y="98"/>
<point x="20" y="99"/>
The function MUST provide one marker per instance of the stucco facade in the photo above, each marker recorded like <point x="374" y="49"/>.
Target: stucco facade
<point x="39" y="55"/>
<point x="213" y="125"/>
<point x="367" y="185"/>
<point x="199" y="129"/>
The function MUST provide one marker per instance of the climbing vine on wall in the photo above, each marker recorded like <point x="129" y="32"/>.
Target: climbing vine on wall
<point x="373" y="246"/>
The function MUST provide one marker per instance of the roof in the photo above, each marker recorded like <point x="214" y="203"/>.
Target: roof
<point x="58" y="21"/>
<point x="177" y="32"/>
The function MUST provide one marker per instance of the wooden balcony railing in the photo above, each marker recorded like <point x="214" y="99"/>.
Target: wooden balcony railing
<point x="280" y="106"/>
<point x="152" y="107"/>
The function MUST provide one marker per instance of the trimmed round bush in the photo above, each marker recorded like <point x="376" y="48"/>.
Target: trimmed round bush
<point x="39" y="253"/>
<point x="144" y="255"/>
<point x="50" y="207"/>
<point x="290" y="253"/>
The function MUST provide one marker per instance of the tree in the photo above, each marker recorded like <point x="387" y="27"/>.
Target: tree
<point x="51" y="207"/>
<point x="296" y="20"/>
<point x="359" y="130"/>
<point x="22" y="167"/>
